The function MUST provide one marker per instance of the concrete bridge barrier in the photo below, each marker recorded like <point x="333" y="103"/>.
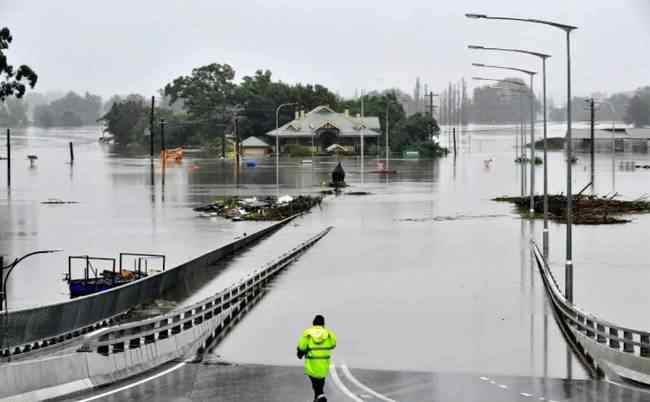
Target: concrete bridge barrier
<point x="613" y="350"/>
<point x="35" y="328"/>
<point x="112" y="354"/>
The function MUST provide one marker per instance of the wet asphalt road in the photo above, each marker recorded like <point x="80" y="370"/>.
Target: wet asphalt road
<point x="230" y="383"/>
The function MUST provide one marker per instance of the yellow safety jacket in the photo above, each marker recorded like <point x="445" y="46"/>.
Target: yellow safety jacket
<point x="316" y="344"/>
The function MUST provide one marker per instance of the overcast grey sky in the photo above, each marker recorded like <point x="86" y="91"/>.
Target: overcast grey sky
<point x="137" y="46"/>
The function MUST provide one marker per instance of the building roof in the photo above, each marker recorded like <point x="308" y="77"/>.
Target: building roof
<point x="323" y="117"/>
<point x="599" y="134"/>
<point x="254" y="142"/>
<point x="638" y="133"/>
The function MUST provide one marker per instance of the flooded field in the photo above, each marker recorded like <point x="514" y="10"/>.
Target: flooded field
<point x="424" y="273"/>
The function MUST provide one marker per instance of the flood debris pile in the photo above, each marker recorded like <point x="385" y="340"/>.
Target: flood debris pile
<point x="267" y="208"/>
<point x="587" y="209"/>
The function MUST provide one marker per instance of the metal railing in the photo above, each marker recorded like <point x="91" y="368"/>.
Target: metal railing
<point x="34" y="329"/>
<point x="613" y="336"/>
<point x="220" y="308"/>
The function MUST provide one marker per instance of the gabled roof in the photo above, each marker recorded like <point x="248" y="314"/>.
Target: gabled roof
<point x="324" y="117"/>
<point x="254" y="142"/>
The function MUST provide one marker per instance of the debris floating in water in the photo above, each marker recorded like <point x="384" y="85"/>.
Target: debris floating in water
<point x="587" y="209"/>
<point x="57" y="201"/>
<point x="267" y="208"/>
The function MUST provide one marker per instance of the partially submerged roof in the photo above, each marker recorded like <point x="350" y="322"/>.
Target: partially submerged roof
<point x="599" y="134"/>
<point x="325" y="118"/>
<point x="606" y="133"/>
<point x="254" y="142"/>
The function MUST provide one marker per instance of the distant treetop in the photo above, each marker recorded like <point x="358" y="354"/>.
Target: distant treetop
<point x="11" y="80"/>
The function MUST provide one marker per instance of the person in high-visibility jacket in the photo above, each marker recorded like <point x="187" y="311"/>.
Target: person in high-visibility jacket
<point x="315" y="345"/>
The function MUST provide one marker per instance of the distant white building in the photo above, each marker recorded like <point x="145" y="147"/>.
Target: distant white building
<point x="323" y="127"/>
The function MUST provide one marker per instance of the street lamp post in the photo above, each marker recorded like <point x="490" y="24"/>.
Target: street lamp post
<point x="277" y="144"/>
<point x="531" y="75"/>
<point x="543" y="57"/>
<point x="568" y="270"/>
<point x="5" y="278"/>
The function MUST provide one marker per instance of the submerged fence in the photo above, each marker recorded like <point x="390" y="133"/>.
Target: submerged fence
<point x="38" y="327"/>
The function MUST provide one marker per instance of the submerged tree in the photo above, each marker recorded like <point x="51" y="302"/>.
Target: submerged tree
<point x="206" y="91"/>
<point x="11" y="80"/>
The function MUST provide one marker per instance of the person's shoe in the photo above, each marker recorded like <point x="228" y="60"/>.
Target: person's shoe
<point x="321" y="398"/>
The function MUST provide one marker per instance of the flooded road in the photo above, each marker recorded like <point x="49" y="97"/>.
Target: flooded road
<point x="425" y="273"/>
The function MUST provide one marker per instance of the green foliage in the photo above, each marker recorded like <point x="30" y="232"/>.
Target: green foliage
<point x="415" y="129"/>
<point x="296" y="150"/>
<point x="430" y="149"/>
<point x="126" y="121"/>
<point x="204" y="92"/>
<point x="213" y="145"/>
<point x="375" y="105"/>
<point x="11" y="80"/>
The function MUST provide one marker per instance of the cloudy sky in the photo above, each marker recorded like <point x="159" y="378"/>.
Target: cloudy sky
<point x="137" y="46"/>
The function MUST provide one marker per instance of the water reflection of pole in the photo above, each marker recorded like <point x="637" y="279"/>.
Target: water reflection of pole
<point x="151" y="128"/>
<point x="277" y="145"/>
<point x="545" y="354"/>
<point x="521" y="145"/>
<point x="237" y="151"/>
<point x="532" y="301"/>
<point x="363" y="132"/>
<point x="163" y="156"/>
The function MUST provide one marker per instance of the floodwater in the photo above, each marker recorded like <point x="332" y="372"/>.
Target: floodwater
<point x="425" y="273"/>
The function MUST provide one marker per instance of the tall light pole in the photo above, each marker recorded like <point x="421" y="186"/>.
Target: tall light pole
<point x="543" y="57"/>
<point x="277" y="144"/>
<point x="388" y="103"/>
<point x="568" y="267"/>
<point x="531" y="75"/>
<point x="5" y="278"/>
<point x="363" y="132"/>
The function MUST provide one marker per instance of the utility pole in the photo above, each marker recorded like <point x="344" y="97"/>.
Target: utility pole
<point x="592" y="110"/>
<point x="237" y="144"/>
<point x="151" y="127"/>
<point x="162" y="137"/>
<point x="2" y="294"/>
<point x="8" y="157"/>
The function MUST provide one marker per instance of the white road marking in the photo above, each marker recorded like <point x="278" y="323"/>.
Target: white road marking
<point x="484" y="378"/>
<point x="503" y="386"/>
<point x="337" y="381"/>
<point x="356" y="382"/>
<point x="135" y="384"/>
<point x="525" y="394"/>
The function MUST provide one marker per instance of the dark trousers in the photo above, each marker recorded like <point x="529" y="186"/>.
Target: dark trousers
<point x="317" y="385"/>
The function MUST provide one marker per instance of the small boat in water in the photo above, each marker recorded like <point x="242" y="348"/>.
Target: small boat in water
<point x="94" y="280"/>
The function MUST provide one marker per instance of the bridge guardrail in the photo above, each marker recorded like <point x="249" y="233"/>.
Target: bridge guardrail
<point x="116" y="353"/>
<point x="219" y="306"/>
<point x="615" y="337"/>
<point x="37" y="328"/>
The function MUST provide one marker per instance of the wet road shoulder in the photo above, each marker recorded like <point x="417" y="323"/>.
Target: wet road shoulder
<point x="187" y="381"/>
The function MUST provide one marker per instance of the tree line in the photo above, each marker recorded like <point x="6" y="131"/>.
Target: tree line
<point x="199" y="108"/>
